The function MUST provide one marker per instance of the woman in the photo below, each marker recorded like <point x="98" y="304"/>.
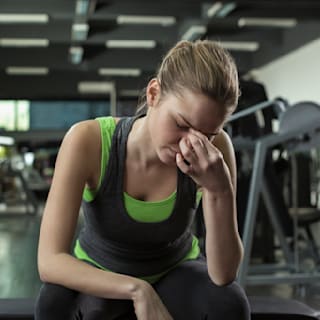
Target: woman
<point x="139" y="180"/>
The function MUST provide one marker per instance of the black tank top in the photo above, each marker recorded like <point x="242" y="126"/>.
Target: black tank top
<point x="123" y="245"/>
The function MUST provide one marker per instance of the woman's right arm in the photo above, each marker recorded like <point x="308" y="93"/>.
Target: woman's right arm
<point x="73" y="169"/>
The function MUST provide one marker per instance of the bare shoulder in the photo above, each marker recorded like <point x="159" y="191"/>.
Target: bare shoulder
<point x="223" y="142"/>
<point x="81" y="140"/>
<point x="84" y="132"/>
<point x="84" y="135"/>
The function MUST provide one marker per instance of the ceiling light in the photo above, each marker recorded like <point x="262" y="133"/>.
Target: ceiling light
<point x="240" y="45"/>
<point x="23" y="18"/>
<point x="194" y="32"/>
<point x="95" y="87"/>
<point x="17" y="42"/>
<point x="82" y="7"/>
<point x="267" y="22"/>
<point x="145" y="44"/>
<point x="129" y="93"/>
<point x="76" y="54"/>
<point x="6" y="141"/>
<point x="24" y="71"/>
<point x="80" y="31"/>
<point x="122" y="72"/>
<point x="226" y="9"/>
<point x="160" y="20"/>
<point x="212" y="11"/>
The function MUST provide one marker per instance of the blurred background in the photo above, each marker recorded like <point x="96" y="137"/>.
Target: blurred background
<point x="63" y="61"/>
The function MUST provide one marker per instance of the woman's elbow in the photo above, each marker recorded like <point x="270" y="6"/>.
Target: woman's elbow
<point x="46" y="268"/>
<point x="224" y="274"/>
<point x="223" y="279"/>
<point x="43" y="270"/>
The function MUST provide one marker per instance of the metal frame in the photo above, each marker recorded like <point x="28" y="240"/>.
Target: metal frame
<point x="257" y="186"/>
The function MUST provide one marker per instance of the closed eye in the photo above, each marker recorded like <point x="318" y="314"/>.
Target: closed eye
<point x="211" y="136"/>
<point x="181" y="126"/>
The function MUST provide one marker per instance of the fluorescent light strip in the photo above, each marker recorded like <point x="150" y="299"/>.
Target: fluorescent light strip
<point x="122" y="72"/>
<point x="240" y="45"/>
<point x="144" y="44"/>
<point x="194" y="32"/>
<point x="82" y="7"/>
<point x="80" y="27"/>
<point x="6" y="141"/>
<point x="95" y="87"/>
<point x="129" y="93"/>
<point x="23" y="18"/>
<point x="227" y="8"/>
<point x="76" y="54"/>
<point x="80" y="31"/>
<point x="23" y="71"/>
<point x="17" y="42"/>
<point x="267" y="22"/>
<point x="160" y="20"/>
<point x="212" y="11"/>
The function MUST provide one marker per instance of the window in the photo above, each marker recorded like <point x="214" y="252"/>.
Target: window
<point x="14" y="115"/>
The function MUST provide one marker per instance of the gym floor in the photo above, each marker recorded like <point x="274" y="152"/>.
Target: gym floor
<point x="19" y="277"/>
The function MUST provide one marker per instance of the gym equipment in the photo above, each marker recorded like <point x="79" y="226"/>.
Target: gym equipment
<point x="9" y="171"/>
<point x="299" y="130"/>
<point x="17" y="309"/>
<point x="273" y="308"/>
<point x="262" y="308"/>
<point x="244" y="126"/>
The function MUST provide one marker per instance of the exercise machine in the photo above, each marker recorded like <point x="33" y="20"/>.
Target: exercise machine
<point x="299" y="130"/>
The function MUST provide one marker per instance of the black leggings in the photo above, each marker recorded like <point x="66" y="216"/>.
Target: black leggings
<point x="187" y="292"/>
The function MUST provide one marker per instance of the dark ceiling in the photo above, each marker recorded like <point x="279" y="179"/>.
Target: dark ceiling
<point x="70" y="49"/>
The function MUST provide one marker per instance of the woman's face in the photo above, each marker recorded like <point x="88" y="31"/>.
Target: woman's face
<point x="171" y="119"/>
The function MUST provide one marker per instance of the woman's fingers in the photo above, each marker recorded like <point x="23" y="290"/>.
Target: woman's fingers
<point x="199" y="148"/>
<point x="207" y="141"/>
<point x="186" y="157"/>
<point x="187" y="151"/>
<point x="182" y="165"/>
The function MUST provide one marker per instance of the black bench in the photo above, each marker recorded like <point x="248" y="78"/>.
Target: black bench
<point x="273" y="308"/>
<point x="17" y="309"/>
<point x="262" y="308"/>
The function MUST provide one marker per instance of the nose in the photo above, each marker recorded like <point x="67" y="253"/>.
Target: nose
<point x="184" y="135"/>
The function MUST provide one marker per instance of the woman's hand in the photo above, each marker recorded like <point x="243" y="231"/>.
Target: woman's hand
<point x="148" y="305"/>
<point x="203" y="162"/>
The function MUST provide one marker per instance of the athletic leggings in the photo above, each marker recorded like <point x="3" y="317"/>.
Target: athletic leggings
<point x="187" y="292"/>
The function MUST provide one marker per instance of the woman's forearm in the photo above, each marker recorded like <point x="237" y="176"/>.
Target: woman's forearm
<point x="65" y="270"/>
<point x="223" y="244"/>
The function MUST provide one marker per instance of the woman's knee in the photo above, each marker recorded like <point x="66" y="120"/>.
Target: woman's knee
<point x="95" y="308"/>
<point x="55" y="301"/>
<point x="229" y="301"/>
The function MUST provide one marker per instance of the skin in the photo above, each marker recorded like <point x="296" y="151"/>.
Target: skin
<point x="177" y="128"/>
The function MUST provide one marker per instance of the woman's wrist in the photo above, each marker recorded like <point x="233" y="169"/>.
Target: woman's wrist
<point x="223" y="193"/>
<point x="138" y="288"/>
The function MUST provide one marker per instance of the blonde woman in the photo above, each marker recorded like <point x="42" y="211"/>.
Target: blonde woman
<point x="139" y="180"/>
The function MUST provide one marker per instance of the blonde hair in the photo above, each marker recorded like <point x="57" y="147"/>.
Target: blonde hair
<point x="203" y="67"/>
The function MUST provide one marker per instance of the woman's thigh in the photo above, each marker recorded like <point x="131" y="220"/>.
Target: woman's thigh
<point x="94" y="308"/>
<point x="57" y="302"/>
<point x="189" y="293"/>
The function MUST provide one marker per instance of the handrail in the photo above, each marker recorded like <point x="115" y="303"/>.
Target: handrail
<point x="277" y="103"/>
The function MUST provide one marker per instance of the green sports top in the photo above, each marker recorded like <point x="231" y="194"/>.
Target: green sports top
<point x="142" y="211"/>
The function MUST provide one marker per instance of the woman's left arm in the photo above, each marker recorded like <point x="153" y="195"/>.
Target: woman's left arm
<point x="213" y="167"/>
<point x="223" y="244"/>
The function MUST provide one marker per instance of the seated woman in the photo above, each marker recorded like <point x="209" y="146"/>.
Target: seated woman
<point x="139" y="180"/>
